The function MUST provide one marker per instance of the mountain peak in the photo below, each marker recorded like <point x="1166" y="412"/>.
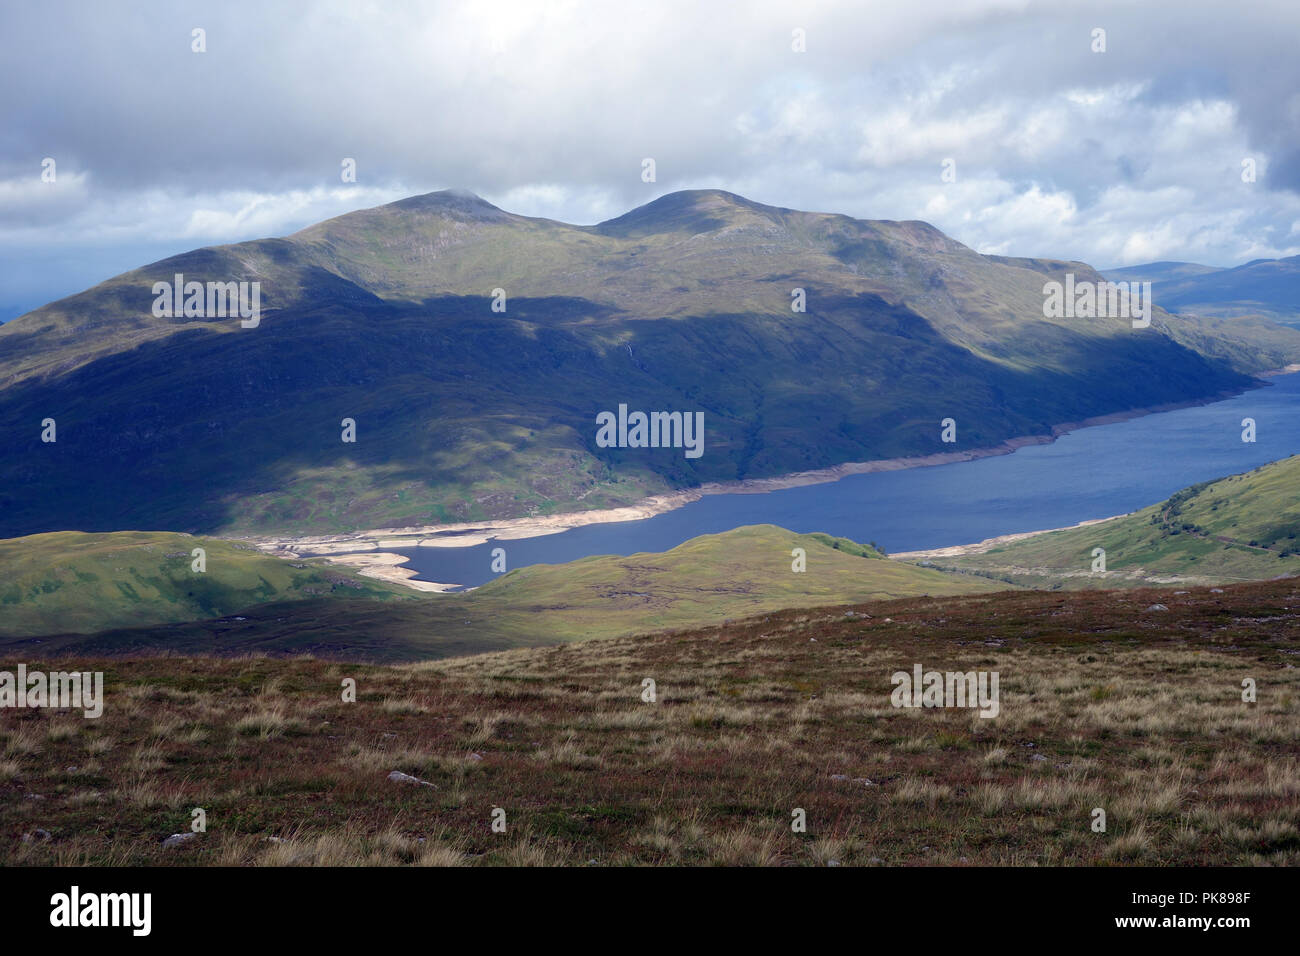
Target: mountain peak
<point x="456" y="200"/>
<point x="688" y="210"/>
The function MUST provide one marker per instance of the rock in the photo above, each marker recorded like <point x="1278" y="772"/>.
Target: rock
<point x="865" y="782"/>
<point x="1216" y="590"/>
<point x="37" y="836"/>
<point x="812" y="640"/>
<point x="475" y="757"/>
<point x="178" y="839"/>
<point x="1038" y="757"/>
<point x="1157" y="607"/>
<point x="839" y="776"/>
<point x="398" y="777"/>
<point x="832" y="862"/>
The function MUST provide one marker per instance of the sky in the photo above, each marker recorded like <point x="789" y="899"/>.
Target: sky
<point x="998" y="121"/>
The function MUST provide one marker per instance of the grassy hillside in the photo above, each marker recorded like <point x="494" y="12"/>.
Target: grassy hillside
<point x="1242" y="528"/>
<point x="705" y="580"/>
<point x="1101" y="705"/>
<point x="385" y="316"/>
<point x="67" y="581"/>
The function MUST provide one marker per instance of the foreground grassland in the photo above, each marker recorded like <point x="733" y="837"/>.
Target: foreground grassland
<point x="289" y="606"/>
<point x="1104" y="703"/>
<point x="1242" y="528"/>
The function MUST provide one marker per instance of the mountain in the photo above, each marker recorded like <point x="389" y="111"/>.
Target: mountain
<point x="126" y="585"/>
<point x="385" y="317"/>
<point x="1263" y="287"/>
<point x="1242" y="528"/>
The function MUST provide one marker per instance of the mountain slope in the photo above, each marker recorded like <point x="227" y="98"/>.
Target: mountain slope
<point x="385" y="316"/>
<point x="1241" y="528"/>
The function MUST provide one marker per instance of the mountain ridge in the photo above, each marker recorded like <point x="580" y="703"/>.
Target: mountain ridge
<point x="389" y="316"/>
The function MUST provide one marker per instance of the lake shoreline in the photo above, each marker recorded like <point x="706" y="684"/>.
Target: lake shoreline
<point x="371" y="551"/>
<point x="988" y="544"/>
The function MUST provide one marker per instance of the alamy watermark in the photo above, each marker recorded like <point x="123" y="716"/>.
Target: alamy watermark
<point x="81" y="690"/>
<point x="1098" y="300"/>
<point x="73" y="909"/>
<point x="923" y="688"/>
<point x="216" y="300"/>
<point x="653" y="430"/>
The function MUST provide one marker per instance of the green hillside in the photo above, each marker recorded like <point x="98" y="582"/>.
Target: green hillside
<point x="385" y="316"/>
<point x="68" y="581"/>
<point x="706" y="580"/>
<point x="1242" y="528"/>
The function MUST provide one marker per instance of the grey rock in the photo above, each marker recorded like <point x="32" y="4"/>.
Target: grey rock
<point x="398" y="777"/>
<point x="178" y="839"/>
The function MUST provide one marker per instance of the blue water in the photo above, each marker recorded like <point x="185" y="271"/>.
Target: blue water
<point x="1090" y="473"/>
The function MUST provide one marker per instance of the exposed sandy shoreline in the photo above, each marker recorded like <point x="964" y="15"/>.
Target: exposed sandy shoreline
<point x="387" y="567"/>
<point x="366" y="550"/>
<point x="979" y="547"/>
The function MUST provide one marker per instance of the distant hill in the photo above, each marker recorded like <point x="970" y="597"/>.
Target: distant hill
<point x="110" y="580"/>
<point x="385" y="316"/>
<point x="67" y="581"/>
<point x="1242" y="528"/>
<point x="1159" y="272"/>
<point x="1264" y="287"/>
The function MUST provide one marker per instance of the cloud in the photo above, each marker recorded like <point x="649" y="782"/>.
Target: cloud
<point x="548" y="109"/>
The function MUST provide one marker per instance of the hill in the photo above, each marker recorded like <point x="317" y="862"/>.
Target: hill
<point x="385" y="316"/>
<point x="705" y="580"/>
<point x="1240" y="528"/>
<point x="67" y="581"/>
<point x="1101" y="704"/>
